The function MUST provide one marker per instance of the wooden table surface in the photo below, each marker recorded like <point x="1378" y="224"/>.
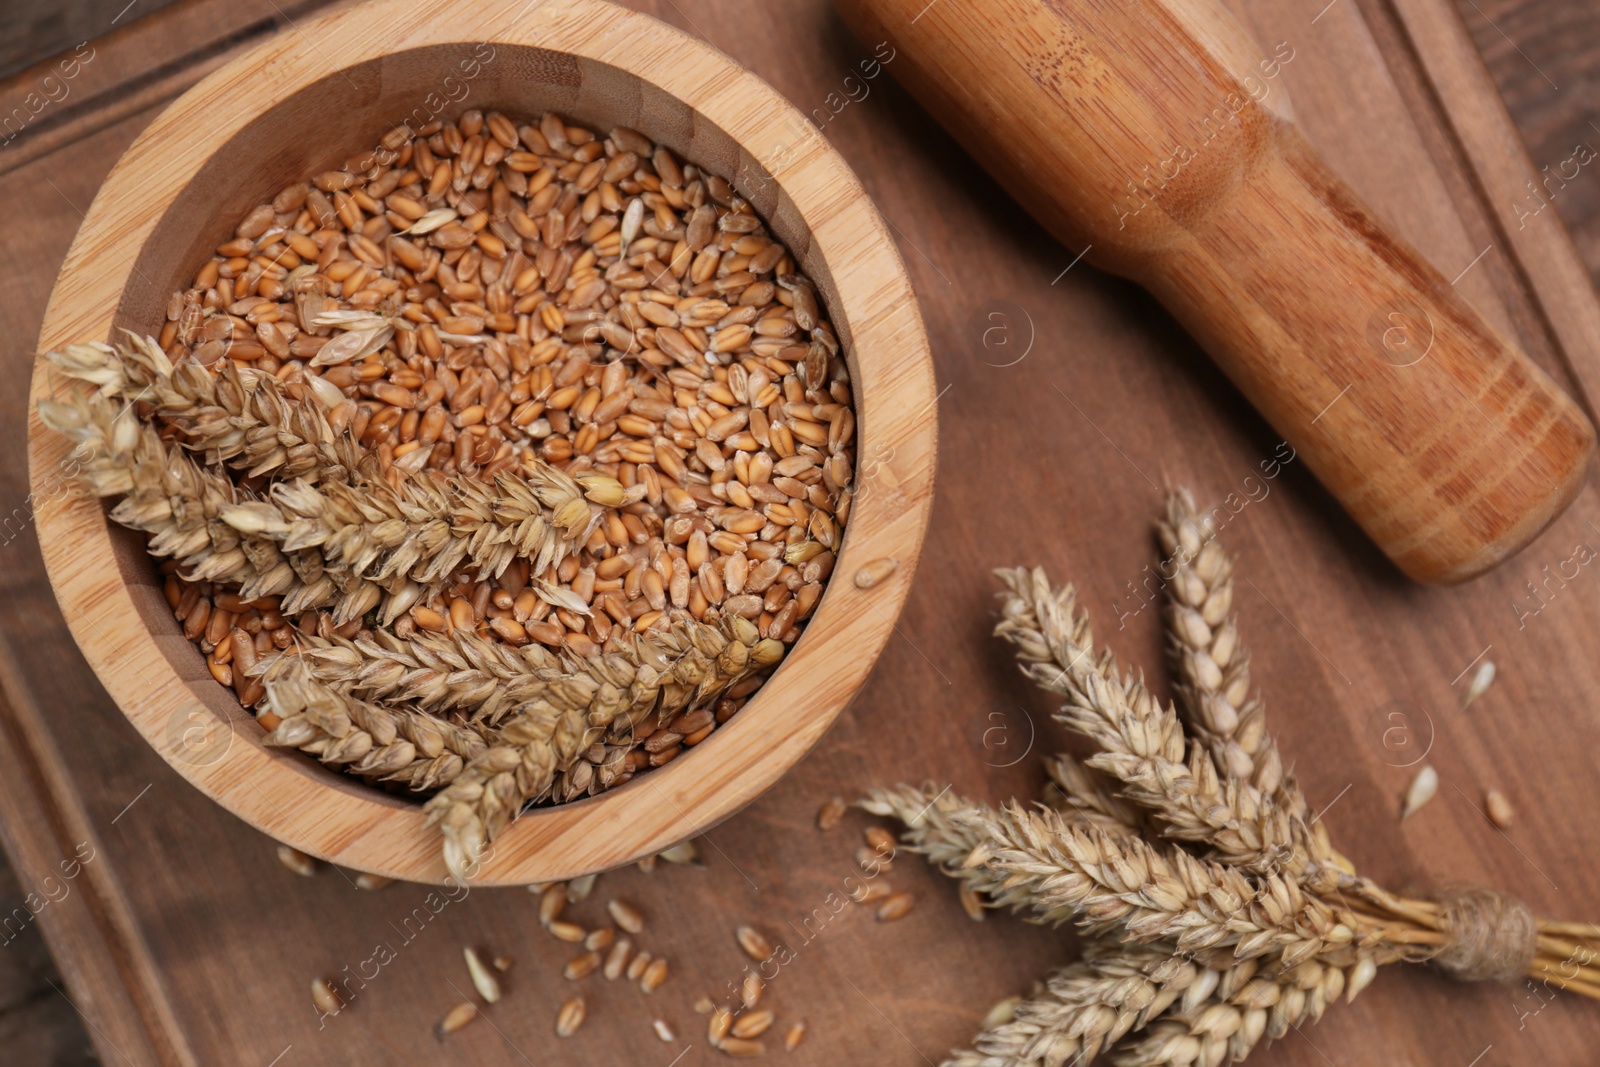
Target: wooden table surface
<point x="183" y="941"/>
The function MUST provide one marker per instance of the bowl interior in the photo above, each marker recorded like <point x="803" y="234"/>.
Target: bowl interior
<point x="345" y="113"/>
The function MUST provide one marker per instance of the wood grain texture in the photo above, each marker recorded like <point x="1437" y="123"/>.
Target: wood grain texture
<point x="603" y="66"/>
<point x="1545" y="61"/>
<point x="1157" y="140"/>
<point x="1044" y="460"/>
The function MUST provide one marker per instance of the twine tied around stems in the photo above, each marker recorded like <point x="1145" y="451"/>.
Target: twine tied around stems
<point x="1493" y="936"/>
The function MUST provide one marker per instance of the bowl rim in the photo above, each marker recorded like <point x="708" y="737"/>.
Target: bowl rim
<point x="355" y="825"/>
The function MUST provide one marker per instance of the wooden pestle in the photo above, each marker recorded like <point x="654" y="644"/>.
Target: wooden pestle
<point x="1157" y="135"/>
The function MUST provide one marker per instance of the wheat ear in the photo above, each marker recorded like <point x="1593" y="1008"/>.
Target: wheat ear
<point x="1213" y="674"/>
<point x="368" y="739"/>
<point x="1142" y="743"/>
<point x="1150" y="893"/>
<point x="661" y="673"/>
<point x="234" y="415"/>
<point x="1227" y="1025"/>
<point x="351" y="547"/>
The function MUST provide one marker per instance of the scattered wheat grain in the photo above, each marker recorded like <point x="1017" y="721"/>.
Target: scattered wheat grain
<point x="1498" y="809"/>
<point x="570" y="1017"/>
<point x="895" y="906"/>
<point x="830" y="814"/>
<point x="457" y="1017"/>
<point x="325" y="997"/>
<point x="1422" y="789"/>
<point x="297" y="861"/>
<point x="873" y="574"/>
<point x="581" y="966"/>
<point x="483" y="979"/>
<point x="617" y="959"/>
<point x="626" y="916"/>
<point x="754" y="943"/>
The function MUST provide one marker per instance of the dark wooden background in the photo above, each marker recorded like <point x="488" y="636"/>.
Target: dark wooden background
<point x="1364" y="637"/>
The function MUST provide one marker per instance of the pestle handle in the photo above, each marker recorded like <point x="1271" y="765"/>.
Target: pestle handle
<point x="1158" y="135"/>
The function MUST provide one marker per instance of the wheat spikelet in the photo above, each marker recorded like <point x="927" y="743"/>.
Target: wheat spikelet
<point x="1074" y="788"/>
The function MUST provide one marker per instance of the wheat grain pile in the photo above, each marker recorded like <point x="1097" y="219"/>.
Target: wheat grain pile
<point x="500" y="463"/>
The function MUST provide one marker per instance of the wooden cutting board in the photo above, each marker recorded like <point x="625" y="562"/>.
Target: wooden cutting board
<point x="1070" y="400"/>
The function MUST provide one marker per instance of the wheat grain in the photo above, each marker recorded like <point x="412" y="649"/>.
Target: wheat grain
<point x="457" y="1017"/>
<point x="895" y="906"/>
<point x="625" y="915"/>
<point x="1499" y="809"/>
<point x="581" y="966"/>
<point x="1421" y="790"/>
<point x="754" y="943"/>
<point x="483" y="979"/>
<point x="297" y="861"/>
<point x="829" y="814"/>
<point x="740" y="1047"/>
<point x="552" y="901"/>
<point x="654" y="975"/>
<point x="718" y="1025"/>
<point x="570" y="1017"/>
<point x="325" y="997"/>
<point x="617" y="959"/>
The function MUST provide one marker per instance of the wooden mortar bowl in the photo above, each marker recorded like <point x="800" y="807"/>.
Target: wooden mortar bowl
<point x="301" y="104"/>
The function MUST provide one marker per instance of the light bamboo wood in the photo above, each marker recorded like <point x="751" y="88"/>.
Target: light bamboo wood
<point x="1158" y="139"/>
<point x="287" y="110"/>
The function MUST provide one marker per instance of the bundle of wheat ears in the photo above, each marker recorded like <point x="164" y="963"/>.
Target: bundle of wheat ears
<point x="1216" y="910"/>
